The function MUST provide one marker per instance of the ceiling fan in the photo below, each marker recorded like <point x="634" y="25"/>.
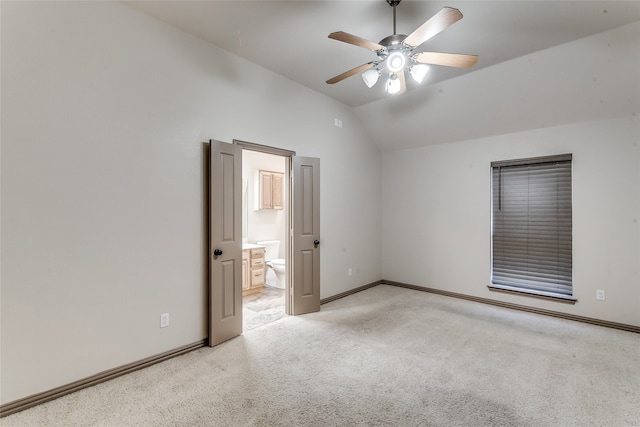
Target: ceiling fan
<point x="395" y="52"/>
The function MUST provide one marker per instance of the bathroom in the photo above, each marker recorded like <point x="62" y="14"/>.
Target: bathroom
<point x="264" y="236"/>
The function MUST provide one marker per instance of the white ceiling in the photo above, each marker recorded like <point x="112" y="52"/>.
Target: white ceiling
<point x="290" y="37"/>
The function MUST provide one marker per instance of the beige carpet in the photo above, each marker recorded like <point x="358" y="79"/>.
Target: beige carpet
<point x="385" y="356"/>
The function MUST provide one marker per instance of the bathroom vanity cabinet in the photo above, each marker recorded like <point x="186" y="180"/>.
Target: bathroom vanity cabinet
<point x="252" y="268"/>
<point x="270" y="190"/>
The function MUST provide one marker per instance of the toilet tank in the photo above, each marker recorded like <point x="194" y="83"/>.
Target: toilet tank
<point x="272" y="249"/>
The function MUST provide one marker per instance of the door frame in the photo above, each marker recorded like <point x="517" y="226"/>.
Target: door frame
<point x="251" y="146"/>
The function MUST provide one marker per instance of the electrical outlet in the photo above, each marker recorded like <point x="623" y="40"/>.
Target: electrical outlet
<point x="350" y="271"/>
<point x="164" y="320"/>
<point x="600" y="294"/>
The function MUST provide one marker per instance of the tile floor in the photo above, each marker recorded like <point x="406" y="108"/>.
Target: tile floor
<point x="262" y="308"/>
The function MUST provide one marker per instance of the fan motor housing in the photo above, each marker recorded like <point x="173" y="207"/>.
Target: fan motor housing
<point x="393" y="40"/>
<point x="392" y="44"/>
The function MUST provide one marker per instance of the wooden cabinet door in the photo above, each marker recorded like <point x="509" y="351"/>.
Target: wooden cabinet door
<point x="277" y="193"/>
<point x="266" y="181"/>
<point x="246" y="268"/>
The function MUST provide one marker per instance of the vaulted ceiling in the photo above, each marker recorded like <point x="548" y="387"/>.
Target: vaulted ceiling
<point x="290" y="37"/>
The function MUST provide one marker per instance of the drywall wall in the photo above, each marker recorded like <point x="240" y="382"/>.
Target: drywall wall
<point x="263" y="224"/>
<point x="437" y="231"/>
<point x="588" y="79"/>
<point x="104" y="114"/>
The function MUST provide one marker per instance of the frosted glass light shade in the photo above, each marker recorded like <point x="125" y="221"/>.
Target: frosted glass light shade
<point x="393" y="84"/>
<point x="395" y="62"/>
<point x="419" y="72"/>
<point x="370" y="77"/>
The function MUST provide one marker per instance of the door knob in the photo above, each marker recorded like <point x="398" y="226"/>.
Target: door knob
<point x="316" y="243"/>
<point x="217" y="252"/>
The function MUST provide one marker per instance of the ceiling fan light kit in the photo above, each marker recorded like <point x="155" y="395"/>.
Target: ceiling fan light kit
<point x="370" y="77"/>
<point x="393" y="84"/>
<point x="395" y="52"/>
<point x="419" y="72"/>
<point x="396" y="61"/>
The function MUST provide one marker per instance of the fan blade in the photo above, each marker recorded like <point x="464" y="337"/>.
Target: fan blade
<point x="350" y="73"/>
<point x="447" y="59"/>
<point x="355" y="40"/>
<point x="403" y="83"/>
<point x="437" y="23"/>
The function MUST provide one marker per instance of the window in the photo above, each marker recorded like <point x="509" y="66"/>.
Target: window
<point x="531" y="226"/>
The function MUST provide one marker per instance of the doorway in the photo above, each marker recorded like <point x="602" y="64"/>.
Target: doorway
<point x="265" y="235"/>
<point x="302" y="290"/>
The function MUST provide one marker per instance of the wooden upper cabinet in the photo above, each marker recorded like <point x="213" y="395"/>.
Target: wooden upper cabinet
<point x="266" y="187"/>
<point x="277" y="191"/>
<point x="270" y="190"/>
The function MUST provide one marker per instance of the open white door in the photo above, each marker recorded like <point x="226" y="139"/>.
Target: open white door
<point x="306" y="235"/>
<point x="225" y="244"/>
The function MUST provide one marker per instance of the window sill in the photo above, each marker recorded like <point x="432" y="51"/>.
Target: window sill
<point x="549" y="296"/>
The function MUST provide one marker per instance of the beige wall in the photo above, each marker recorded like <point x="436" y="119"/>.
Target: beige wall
<point x="589" y="79"/>
<point x="104" y="112"/>
<point x="437" y="230"/>
<point x="436" y="217"/>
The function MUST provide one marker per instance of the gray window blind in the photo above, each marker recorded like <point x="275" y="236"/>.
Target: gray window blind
<point x="531" y="233"/>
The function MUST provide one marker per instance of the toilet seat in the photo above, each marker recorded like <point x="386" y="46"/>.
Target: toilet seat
<point x="278" y="262"/>
<point x="278" y="268"/>
<point x="276" y="273"/>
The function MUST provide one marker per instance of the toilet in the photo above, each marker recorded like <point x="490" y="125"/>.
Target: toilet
<point x="276" y="275"/>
